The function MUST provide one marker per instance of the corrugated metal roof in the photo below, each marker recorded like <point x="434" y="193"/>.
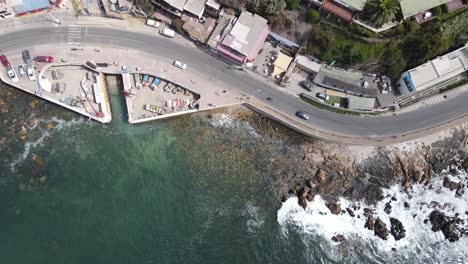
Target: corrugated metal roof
<point x="412" y="7"/>
<point x="195" y="7"/>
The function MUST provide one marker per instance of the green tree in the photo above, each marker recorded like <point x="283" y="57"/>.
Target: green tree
<point x="381" y="11"/>
<point x="292" y="4"/>
<point x="146" y="5"/>
<point x="436" y="11"/>
<point x="312" y="16"/>
<point x="272" y="7"/>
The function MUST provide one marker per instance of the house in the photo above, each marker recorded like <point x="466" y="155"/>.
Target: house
<point x="436" y="74"/>
<point x="281" y="64"/>
<point x="197" y="31"/>
<point x="219" y="31"/>
<point x="24" y="7"/>
<point x="411" y="8"/>
<point x="344" y="9"/>
<point x="245" y="39"/>
<point x="178" y="7"/>
<point x="212" y="8"/>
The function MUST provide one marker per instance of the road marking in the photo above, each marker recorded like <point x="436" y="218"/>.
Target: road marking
<point x="126" y="39"/>
<point x="73" y="43"/>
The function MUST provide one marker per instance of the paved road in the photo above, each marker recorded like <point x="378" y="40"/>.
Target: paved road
<point x="344" y="128"/>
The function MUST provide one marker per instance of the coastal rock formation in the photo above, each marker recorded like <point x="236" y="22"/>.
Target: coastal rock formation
<point x="335" y="208"/>
<point x="370" y="222"/>
<point x="380" y="229"/>
<point x="339" y="238"/>
<point x="460" y="190"/>
<point x="450" y="184"/>
<point x="397" y="230"/>
<point x="450" y="226"/>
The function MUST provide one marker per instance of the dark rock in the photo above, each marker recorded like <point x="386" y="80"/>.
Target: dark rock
<point x="369" y="223"/>
<point x="406" y="204"/>
<point x="448" y="225"/>
<point x="388" y="208"/>
<point x="350" y="212"/>
<point x="302" y="195"/>
<point x="450" y="184"/>
<point x="310" y="196"/>
<point x="426" y="221"/>
<point x="373" y="194"/>
<point x="460" y="190"/>
<point x="380" y="229"/>
<point x="339" y="238"/>
<point x="393" y="249"/>
<point x="321" y="176"/>
<point x="368" y="211"/>
<point x="334" y="208"/>
<point x="397" y="229"/>
<point x="284" y="198"/>
<point x="394" y="199"/>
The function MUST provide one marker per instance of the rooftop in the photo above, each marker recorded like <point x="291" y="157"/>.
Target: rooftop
<point x="412" y="7"/>
<point x="439" y="67"/>
<point x="347" y="81"/>
<point x="199" y="31"/>
<point x="356" y="4"/>
<point x="246" y="35"/>
<point x="339" y="10"/>
<point x="195" y="7"/>
<point x="177" y="4"/>
<point x="24" y="6"/>
<point x="361" y="103"/>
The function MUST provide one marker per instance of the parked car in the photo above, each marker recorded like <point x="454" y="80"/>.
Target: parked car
<point x="323" y="96"/>
<point x="12" y="74"/>
<point x="31" y="73"/>
<point x="180" y="65"/>
<point x="44" y="59"/>
<point x="26" y="56"/>
<point x="167" y="32"/>
<point x="22" y="70"/>
<point x="302" y="115"/>
<point x="6" y="15"/>
<point x="152" y="23"/>
<point x="307" y="85"/>
<point x="4" y="61"/>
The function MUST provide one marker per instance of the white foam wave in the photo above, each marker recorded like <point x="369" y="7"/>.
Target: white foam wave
<point x="420" y="242"/>
<point x="255" y="221"/>
<point x="227" y="121"/>
<point x="59" y="124"/>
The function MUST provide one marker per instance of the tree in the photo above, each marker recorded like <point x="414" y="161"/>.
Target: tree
<point x="313" y="16"/>
<point x="146" y="5"/>
<point x="436" y="11"/>
<point x="381" y="11"/>
<point x="292" y="4"/>
<point x="272" y="7"/>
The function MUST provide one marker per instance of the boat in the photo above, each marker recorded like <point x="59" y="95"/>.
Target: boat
<point x="154" y="109"/>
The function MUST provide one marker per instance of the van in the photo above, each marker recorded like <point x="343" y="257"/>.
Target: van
<point x="152" y="23"/>
<point x="167" y="32"/>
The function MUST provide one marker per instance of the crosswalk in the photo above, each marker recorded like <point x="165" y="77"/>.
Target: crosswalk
<point x="74" y="35"/>
<point x="430" y="101"/>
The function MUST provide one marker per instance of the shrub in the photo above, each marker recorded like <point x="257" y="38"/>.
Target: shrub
<point x="445" y="8"/>
<point x="411" y="25"/>
<point x="292" y="4"/>
<point x="313" y="16"/>
<point x="146" y="5"/>
<point x="436" y="11"/>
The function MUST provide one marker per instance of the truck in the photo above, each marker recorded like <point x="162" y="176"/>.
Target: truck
<point x="154" y="85"/>
<point x="145" y="79"/>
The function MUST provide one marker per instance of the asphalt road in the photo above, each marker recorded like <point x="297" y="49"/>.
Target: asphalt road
<point x="347" y="126"/>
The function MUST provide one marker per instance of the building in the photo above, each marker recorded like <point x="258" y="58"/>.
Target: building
<point x="178" y="7"/>
<point x="436" y="74"/>
<point x="411" y="8"/>
<point x="24" y="7"/>
<point x="344" y="9"/>
<point x="281" y="64"/>
<point x="361" y="103"/>
<point x="245" y="39"/>
<point x="349" y="82"/>
<point x="308" y="64"/>
<point x="197" y="31"/>
<point x="219" y="31"/>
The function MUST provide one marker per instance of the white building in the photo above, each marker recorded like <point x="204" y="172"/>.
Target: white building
<point x="436" y="74"/>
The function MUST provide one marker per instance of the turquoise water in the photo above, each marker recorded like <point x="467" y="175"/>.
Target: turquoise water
<point x="195" y="189"/>
<point x="177" y="191"/>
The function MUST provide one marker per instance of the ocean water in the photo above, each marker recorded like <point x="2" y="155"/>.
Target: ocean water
<point x="187" y="190"/>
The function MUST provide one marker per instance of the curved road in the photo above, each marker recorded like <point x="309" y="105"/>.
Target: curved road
<point x="344" y="128"/>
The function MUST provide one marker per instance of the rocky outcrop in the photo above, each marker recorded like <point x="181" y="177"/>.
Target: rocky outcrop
<point x="396" y="229"/>
<point x="335" y="208"/>
<point x="450" y="184"/>
<point x="450" y="226"/>
<point x="339" y="238"/>
<point x="350" y="212"/>
<point x="321" y="176"/>
<point x="460" y="190"/>
<point x="369" y="222"/>
<point x="380" y="229"/>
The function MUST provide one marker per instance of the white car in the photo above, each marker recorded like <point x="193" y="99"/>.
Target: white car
<point x="180" y="65"/>
<point x="6" y="15"/>
<point x="167" y="32"/>
<point x="31" y="73"/>
<point x="12" y="74"/>
<point x="152" y="23"/>
<point x="22" y="70"/>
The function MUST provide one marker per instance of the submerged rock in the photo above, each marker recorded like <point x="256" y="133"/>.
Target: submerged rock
<point x="380" y="229"/>
<point x="388" y="208"/>
<point x="397" y="229"/>
<point x="339" y="238"/>
<point x="350" y="212"/>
